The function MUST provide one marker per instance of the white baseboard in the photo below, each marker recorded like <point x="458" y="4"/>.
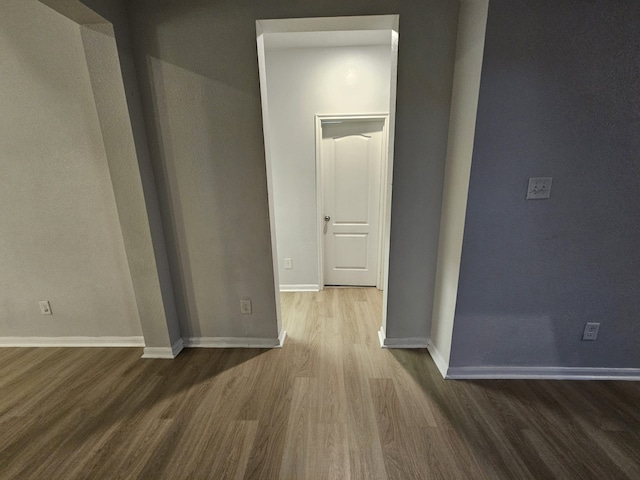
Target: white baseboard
<point x="164" y="352"/>
<point x="158" y="352"/>
<point x="311" y="287"/>
<point x="71" y="342"/>
<point x="235" y="342"/>
<point x="542" y="373"/>
<point x="408" y="342"/>
<point x="177" y="347"/>
<point x="438" y="359"/>
<point x="281" y="338"/>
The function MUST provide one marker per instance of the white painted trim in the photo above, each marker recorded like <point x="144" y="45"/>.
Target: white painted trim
<point x="438" y="359"/>
<point x="542" y="373"/>
<point x="164" y="352"/>
<point x="235" y="342"/>
<point x="158" y="352"/>
<point x="408" y="342"/>
<point x="319" y="202"/>
<point x="389" y="176"/>
<point x="472" y="22"/>
<point x="385" y="191"/>
<point x="383" y="236"/>
<point x="71" y="342"/>
<point x="281" y="338"/>
<point x="312" y="287"/>
<point x="177" y="347"/>
<point x="262" y="71"/>
<point x="328" y="24"/>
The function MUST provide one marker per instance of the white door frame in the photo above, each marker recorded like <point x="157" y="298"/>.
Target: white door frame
<point x="385" y="192"/>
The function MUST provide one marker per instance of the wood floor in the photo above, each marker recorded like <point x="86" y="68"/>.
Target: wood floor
<point x="330" y="405"/>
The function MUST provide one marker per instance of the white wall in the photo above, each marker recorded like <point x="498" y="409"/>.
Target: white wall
<point x="60" y="238"/>
<point x="303" y="82"/>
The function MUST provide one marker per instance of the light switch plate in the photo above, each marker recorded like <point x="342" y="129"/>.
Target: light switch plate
<point x="539" y="188"/>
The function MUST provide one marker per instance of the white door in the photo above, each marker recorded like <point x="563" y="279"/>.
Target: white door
<point x="351" y="162"/>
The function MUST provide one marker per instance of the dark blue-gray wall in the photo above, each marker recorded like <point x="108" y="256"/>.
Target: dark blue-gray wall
<point x="559" y="97"/>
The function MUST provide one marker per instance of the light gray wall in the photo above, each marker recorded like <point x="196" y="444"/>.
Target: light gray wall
<point x="464" y="106"/>
<point x="426" y="58"/>
<point x="559" y="97"/>
<point x="132" y="175"/>
<point x="303" y="82"/>
<point x="198" y="66"/>
<point x="60" y="239"/>
<point x="105" y="36"/>
<point x="155" y="307"/>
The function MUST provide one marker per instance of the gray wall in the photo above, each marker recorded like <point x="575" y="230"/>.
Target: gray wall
<point x="559" y="97"/>
<point x="135" y="209"/>
<point x="60" y="239"/>
<point x="462" y="124"/>
<point x="132" y="175"/>
<point x="197" y="63"/>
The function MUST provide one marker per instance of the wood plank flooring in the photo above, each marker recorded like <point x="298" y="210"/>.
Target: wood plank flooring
<point x="330" y="405"/>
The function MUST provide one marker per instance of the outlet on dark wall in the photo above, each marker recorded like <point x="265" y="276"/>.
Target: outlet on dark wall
<point x="559" y="94"/>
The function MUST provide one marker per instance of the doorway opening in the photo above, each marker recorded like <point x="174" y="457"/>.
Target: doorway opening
<point x="328" y="86"/>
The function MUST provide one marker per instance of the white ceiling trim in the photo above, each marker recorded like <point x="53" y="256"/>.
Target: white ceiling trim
<point x="343" y="38"/>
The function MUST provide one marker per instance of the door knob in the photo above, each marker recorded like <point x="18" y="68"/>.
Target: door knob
<point x="327" y="218"/>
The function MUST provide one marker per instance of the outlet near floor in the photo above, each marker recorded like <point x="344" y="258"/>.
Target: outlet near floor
<point x="45" y="307"/>
<point x="245" y="306"/>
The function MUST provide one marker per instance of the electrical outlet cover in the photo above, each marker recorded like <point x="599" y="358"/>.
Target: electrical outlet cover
<point x="45" y="307"/>
<point x="539" y="188"/>
<point x="245" y="306"/>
